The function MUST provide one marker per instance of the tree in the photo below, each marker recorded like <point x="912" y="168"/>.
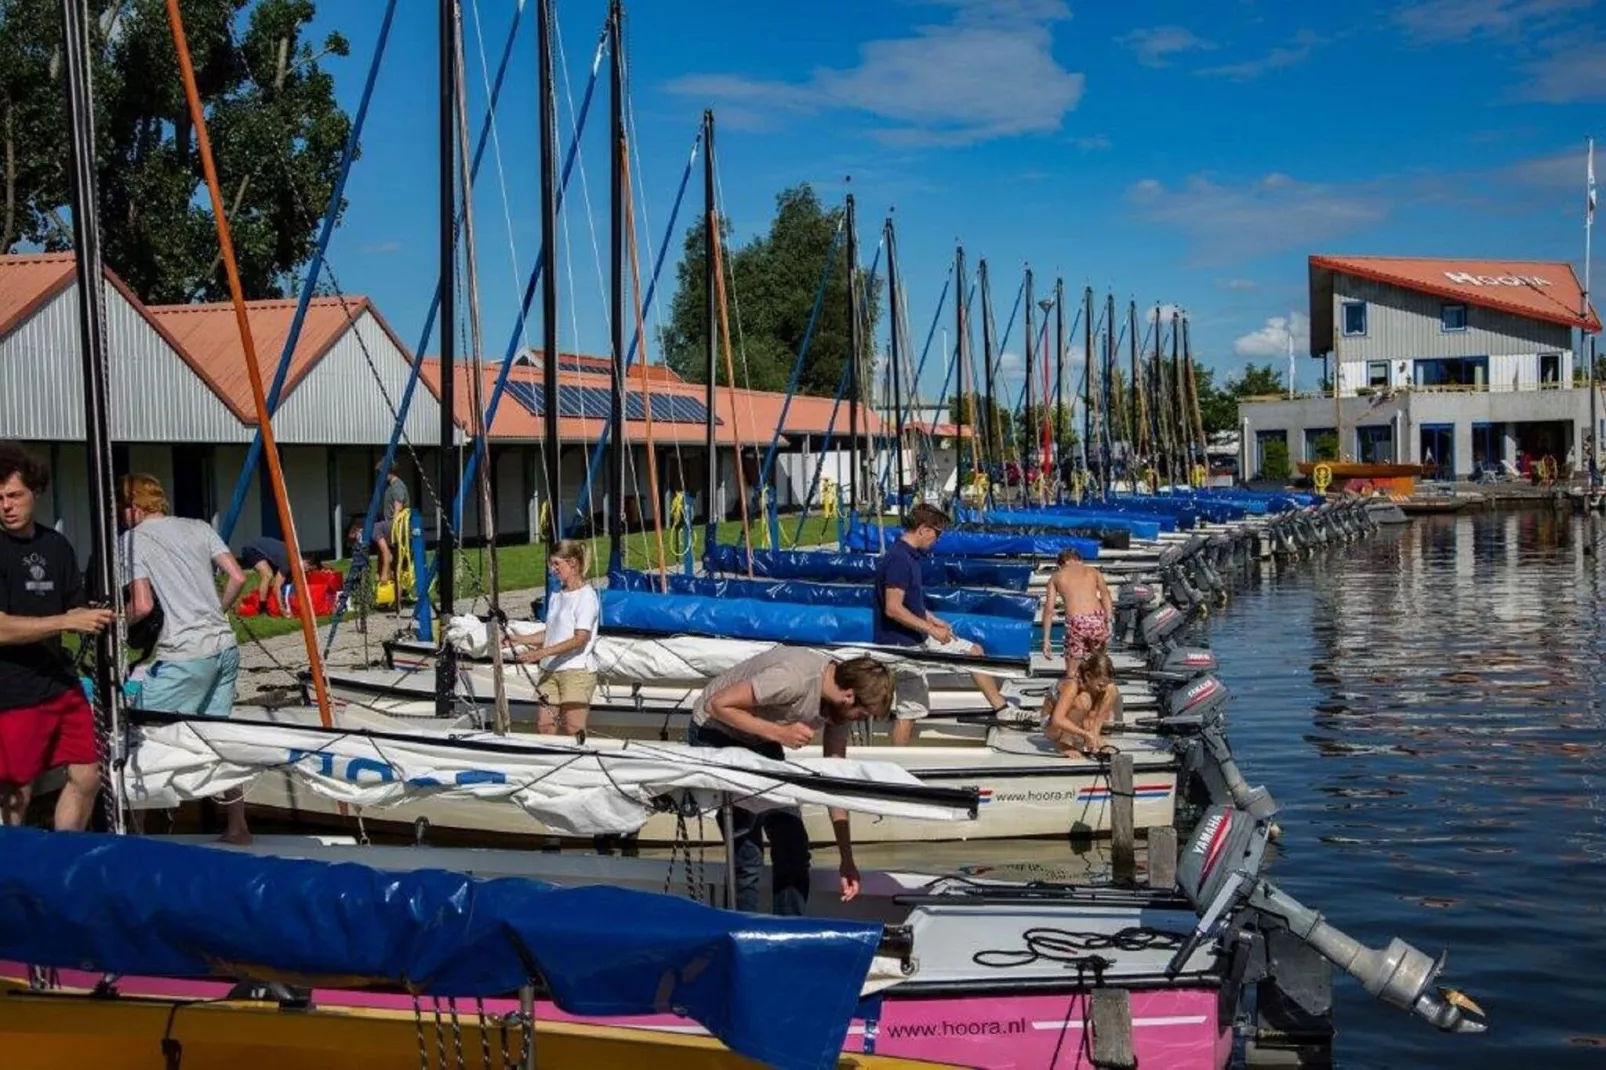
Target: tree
<point x="1274" y="460"/>
<point x="1256" y="381"/>
<point x="277" y="135"/>
<point x="771" y="300"/>
<point x="1218" y="409"/>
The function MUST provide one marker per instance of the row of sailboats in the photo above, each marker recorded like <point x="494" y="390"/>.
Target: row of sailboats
<point x="327" y="953"/>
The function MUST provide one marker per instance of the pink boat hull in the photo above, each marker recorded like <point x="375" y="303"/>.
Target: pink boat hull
<point x="1173" y="1028"/>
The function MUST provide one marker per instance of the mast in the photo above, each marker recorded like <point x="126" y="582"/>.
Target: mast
<point x="103" y="588"/>
<point x="446" y="473"/>
<point x="896" y="308"/>
<point x="1162" y="434"/>
<point x="1060" y="423"/>
<point x="964" y="409"/>
<point x="710" y="329"/>
<point x="1112" y="399"/>
<point x="1583" y="313"/>
<point x="1178" y="435"/>
<point x="991" y="417"/>
<point x="855" y="347"/>
<point x="1031" y="424"/>
<point x="1087" y="379"/>
<point x="616" y="395"/>
<point x="549" y="271"/>
<point x="1140" y="417"/>
<point x="1196" y="431"/>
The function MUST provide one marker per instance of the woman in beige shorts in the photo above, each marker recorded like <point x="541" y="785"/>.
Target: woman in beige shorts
<point x="568" y="664"/>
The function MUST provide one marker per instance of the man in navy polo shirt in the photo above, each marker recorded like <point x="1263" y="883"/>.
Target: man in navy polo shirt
<point x="903" y="620"/>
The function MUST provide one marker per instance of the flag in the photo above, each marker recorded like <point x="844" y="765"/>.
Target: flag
<point x="1589" y="210"/>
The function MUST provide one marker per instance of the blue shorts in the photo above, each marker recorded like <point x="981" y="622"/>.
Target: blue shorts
<point x="204" y="685"/>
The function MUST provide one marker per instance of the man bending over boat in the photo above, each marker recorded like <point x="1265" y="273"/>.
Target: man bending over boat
<point x="1076" y="713"/>
<point x="1088" y="609"/>
<point x="902" y="620"/>
<point x="771" y="703"/>
<point x="44" y="714"/>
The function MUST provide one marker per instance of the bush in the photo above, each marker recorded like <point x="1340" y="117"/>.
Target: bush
<point x="1274" y="460"/>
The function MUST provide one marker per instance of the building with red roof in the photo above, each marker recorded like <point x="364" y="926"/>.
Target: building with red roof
<point x="1461" y="365"/>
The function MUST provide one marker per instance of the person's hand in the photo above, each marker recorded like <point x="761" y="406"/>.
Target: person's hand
<point x="1048" y="651"/>
<point x="794" y="735"/>
<point x="941" y="632"/>
<point x="850" y="881"/>
<point x="86" y="621"/>
<point x="530" y="654"/>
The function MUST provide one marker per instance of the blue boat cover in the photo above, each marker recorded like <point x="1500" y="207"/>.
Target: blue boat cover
<point x="779" y="990"/>
<point x="826" y="565"/>
<point x="1137" y="526"/>
<point x="800" y="592"/>
<point x="983" y="544"/>
<point x="780" y="622"/>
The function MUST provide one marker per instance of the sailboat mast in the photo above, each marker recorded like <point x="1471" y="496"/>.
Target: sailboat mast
<point x="1140" y="424"/>
<point x="1178" y="435"/>
<point x="97" y="405"/>
<point x="960" y="393"/>
<point x="988" y="402"/>
<point x="446" y="473"/>
<point x="616" y="255"/>
<point x="1030" y="424"/>
<point x="1060" y="424"/>
<point x="896" y="306"/>
<point x="710" y="331"/>
<point x="855" y="347"/>
<point x="1112" y="396"/>
<point x="1087" y="379"/>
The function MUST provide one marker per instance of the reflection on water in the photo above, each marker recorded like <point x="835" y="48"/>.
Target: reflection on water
<point x="1427" y="708"/>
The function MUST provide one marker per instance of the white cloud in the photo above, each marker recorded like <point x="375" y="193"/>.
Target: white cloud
<point x="1228" y="223"/>
<point x="1166" y="311"/>
<point x="1156" y="46"/>
<point x="1093" y="143"/>
<point x="1272" y="340"/>
<point x="988" y="73"/>
<point x="1576" y="73"/>
<point x="1438" y="21"/>
<point x="1289" y="55"/>
<point x="1239" y="284"/>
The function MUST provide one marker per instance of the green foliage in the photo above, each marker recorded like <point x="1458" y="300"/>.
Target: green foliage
<point x="1218" y="409"/>
<point x="1325" y="447"/>
<point x="1027" y="442"/>
<point x="1256" y="381"/>
<point x="771" y="300"/>
<point x="1274" y="460"/>
<point x="277" y="135"/>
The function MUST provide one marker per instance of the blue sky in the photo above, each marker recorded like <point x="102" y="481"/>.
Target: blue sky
<point x="1182" y="153"/>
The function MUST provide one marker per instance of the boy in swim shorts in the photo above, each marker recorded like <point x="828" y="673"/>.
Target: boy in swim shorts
<point x="1088" y="609"/>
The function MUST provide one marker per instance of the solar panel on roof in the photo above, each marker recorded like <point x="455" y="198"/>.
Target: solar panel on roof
<point x="592" y="403"/>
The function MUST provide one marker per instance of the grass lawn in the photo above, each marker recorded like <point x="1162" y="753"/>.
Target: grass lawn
<point x="523" y="567"/>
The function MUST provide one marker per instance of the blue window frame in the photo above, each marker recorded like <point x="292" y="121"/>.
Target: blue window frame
<point x="1452" y="317"/>
<point x="1354" y="318"/>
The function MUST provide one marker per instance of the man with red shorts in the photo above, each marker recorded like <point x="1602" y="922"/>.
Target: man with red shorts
<point x="44" y="717"/>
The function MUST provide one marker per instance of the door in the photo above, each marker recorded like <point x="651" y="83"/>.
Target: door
<point x="193" y="483"/>
<point x="1437" y="445"/>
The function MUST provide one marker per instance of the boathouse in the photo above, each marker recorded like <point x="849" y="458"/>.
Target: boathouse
<point x="1460" y="365"/>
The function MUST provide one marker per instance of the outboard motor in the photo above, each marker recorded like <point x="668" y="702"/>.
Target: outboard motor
<point x="1159" y="625"/>
<point x="1177" y="587"/>
<point x="1180" y="664"/>
<point x="1201" y="703"/>
<point x="1220" y="872"/>
<point x="1208" y="764"/>
<point x="1130" y="605"/>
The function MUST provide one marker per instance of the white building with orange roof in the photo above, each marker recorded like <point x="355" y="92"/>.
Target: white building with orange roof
<point x="1463" y="365"/>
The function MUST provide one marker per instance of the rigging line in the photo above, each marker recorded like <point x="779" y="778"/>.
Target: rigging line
<point x="248" y="347"/>
<point x="646" y="394"/>
<point x="825" y="450"/>
<point x="532" y="283"/>
<point x="650" y="298"/>
<point x="477" y="381"/>
<point x="802" y="352"/>
<point x="360" y="554"/>
<point x="730" y="389"/>
<point x="242" y="485"/>
<point x="568" y="259"/>
<point x="952" y="365"/>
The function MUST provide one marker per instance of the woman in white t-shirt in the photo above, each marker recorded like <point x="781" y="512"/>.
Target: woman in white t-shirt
<point x="565" y="649"/>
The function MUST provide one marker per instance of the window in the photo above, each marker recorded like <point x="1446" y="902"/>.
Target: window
<point x="1374" y="443"/>
<point x="1354" y="317"/>
<point x="1321" y="444"/>
<point x="1377" y="373"/>
<point x="1453" y="317"/>
<point x="1550" y="369"/>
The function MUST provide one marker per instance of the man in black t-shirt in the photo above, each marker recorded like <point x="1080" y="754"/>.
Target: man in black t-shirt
<point x="44" y="715"/>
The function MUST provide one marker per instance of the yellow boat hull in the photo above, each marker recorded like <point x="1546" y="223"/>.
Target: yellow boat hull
<point x="65" y="1028"/>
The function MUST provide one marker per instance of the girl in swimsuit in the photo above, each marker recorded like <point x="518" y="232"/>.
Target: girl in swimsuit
<point x="1082" y="707"/>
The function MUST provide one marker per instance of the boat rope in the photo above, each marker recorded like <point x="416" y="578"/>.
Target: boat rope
<point x="1052" y="944"/>
<point x="646" y="393"/>
<point x="730" y="388"/>
<point x="483" y="1024"/>
<point x="679" y="524"/>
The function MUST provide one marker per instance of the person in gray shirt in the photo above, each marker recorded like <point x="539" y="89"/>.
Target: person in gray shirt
<point x="395" y="499"/>
<point x="768" y="704"/>
<point x="175" y="560"/>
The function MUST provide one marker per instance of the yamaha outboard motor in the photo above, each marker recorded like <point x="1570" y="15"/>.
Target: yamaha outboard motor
<point x="1159" y="626"/>
<point x="1220" y="872"/>
<point x="1134" y="600"/>
<point x="1180" y="664"/>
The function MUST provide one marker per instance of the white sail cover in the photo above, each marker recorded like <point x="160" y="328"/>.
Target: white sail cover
<point x="572" y="789"/>
<point x="683" y="659"/>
